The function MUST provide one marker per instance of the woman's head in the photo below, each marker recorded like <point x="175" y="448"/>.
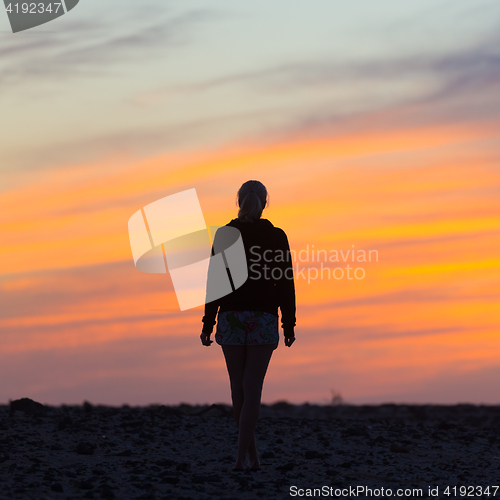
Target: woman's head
<point x="252" y="199"/>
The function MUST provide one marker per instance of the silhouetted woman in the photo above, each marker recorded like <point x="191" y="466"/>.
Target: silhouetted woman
<point x="247" y="321"/>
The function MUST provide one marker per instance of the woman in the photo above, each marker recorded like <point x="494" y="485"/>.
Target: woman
<point x="247" y="322"/>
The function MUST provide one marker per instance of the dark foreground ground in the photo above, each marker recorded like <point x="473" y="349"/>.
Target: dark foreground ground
<point x="187" y="452"/>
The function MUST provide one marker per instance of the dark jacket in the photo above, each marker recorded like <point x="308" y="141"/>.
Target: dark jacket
<point x="266" y="248"/>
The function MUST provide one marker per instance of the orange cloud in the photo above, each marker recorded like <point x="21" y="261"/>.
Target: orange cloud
<point x="432" y="216"/>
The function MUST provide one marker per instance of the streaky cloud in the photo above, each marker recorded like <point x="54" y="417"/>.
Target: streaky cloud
<point x="94" y="46"/>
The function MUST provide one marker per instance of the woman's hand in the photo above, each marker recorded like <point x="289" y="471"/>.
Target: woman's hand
<point x="289" y="334"/>
<point x="205" y="339"/>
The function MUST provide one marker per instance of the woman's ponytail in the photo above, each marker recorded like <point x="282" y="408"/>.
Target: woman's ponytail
<point x="252" y="199"/>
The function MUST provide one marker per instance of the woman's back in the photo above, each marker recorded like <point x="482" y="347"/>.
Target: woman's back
<point x="269" y="285"/>
<point x="270" y="274"/>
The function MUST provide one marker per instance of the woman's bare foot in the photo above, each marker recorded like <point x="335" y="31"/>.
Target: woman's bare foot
<point x="240" y="464"/>
<point x="254" y="465"/>
<point x="253" y="454"/>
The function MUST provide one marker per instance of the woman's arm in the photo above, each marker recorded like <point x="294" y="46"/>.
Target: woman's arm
<point x="209" y="318"/>
<point x="211" y="306"/>
<point x="286" y="287"/>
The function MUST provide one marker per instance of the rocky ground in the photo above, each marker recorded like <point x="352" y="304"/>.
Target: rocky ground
<point x="187" y="452"/>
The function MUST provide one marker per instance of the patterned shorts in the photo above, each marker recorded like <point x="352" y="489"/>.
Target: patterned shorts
<point x="247" y="328"/>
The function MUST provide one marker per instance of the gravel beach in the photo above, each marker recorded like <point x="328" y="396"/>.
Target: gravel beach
<point x="187" y="452"/>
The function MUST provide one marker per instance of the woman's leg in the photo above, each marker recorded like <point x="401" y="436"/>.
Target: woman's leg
<point x="256" y="363"/>
<point x="247" y="366"/>
<point x="235" y="361"/>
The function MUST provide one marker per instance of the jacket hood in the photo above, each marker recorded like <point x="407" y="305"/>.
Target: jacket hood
<point x="260" y="223"/>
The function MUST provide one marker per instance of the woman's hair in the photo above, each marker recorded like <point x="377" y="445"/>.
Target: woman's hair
<point x="252" y="199"/>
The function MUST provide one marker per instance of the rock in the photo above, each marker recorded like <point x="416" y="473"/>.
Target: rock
<point x="85" y="448"/>
<point x="28" y="406"/>
<point x="268" y="454"/>
<point x="355" y="431"/>
<point x="167" y="410"/>
<point x="445" y="426"/>
<point x="244" y="483"/>
<point x="87" y="407"/>
<point x="170" y="480"/>
<point x="56" y="487"/>
<point x="64" y="421"/>
<point x="148" y="495"/>
<point x="106" y="491"/>
<point x="85" y="484"/>
<point x="4" y="456"/>
<point x="396" y="448"/>
<point x="346" y="465"/>
<point x="214" y="410"/>
<point x="145" y="435"/>
<point x="163" y="462"/>
<point x="286" y="467"/>
<point x="124" y="453"/>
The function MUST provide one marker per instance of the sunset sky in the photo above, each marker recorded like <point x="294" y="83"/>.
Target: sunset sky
<point x="373" y="125"/>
